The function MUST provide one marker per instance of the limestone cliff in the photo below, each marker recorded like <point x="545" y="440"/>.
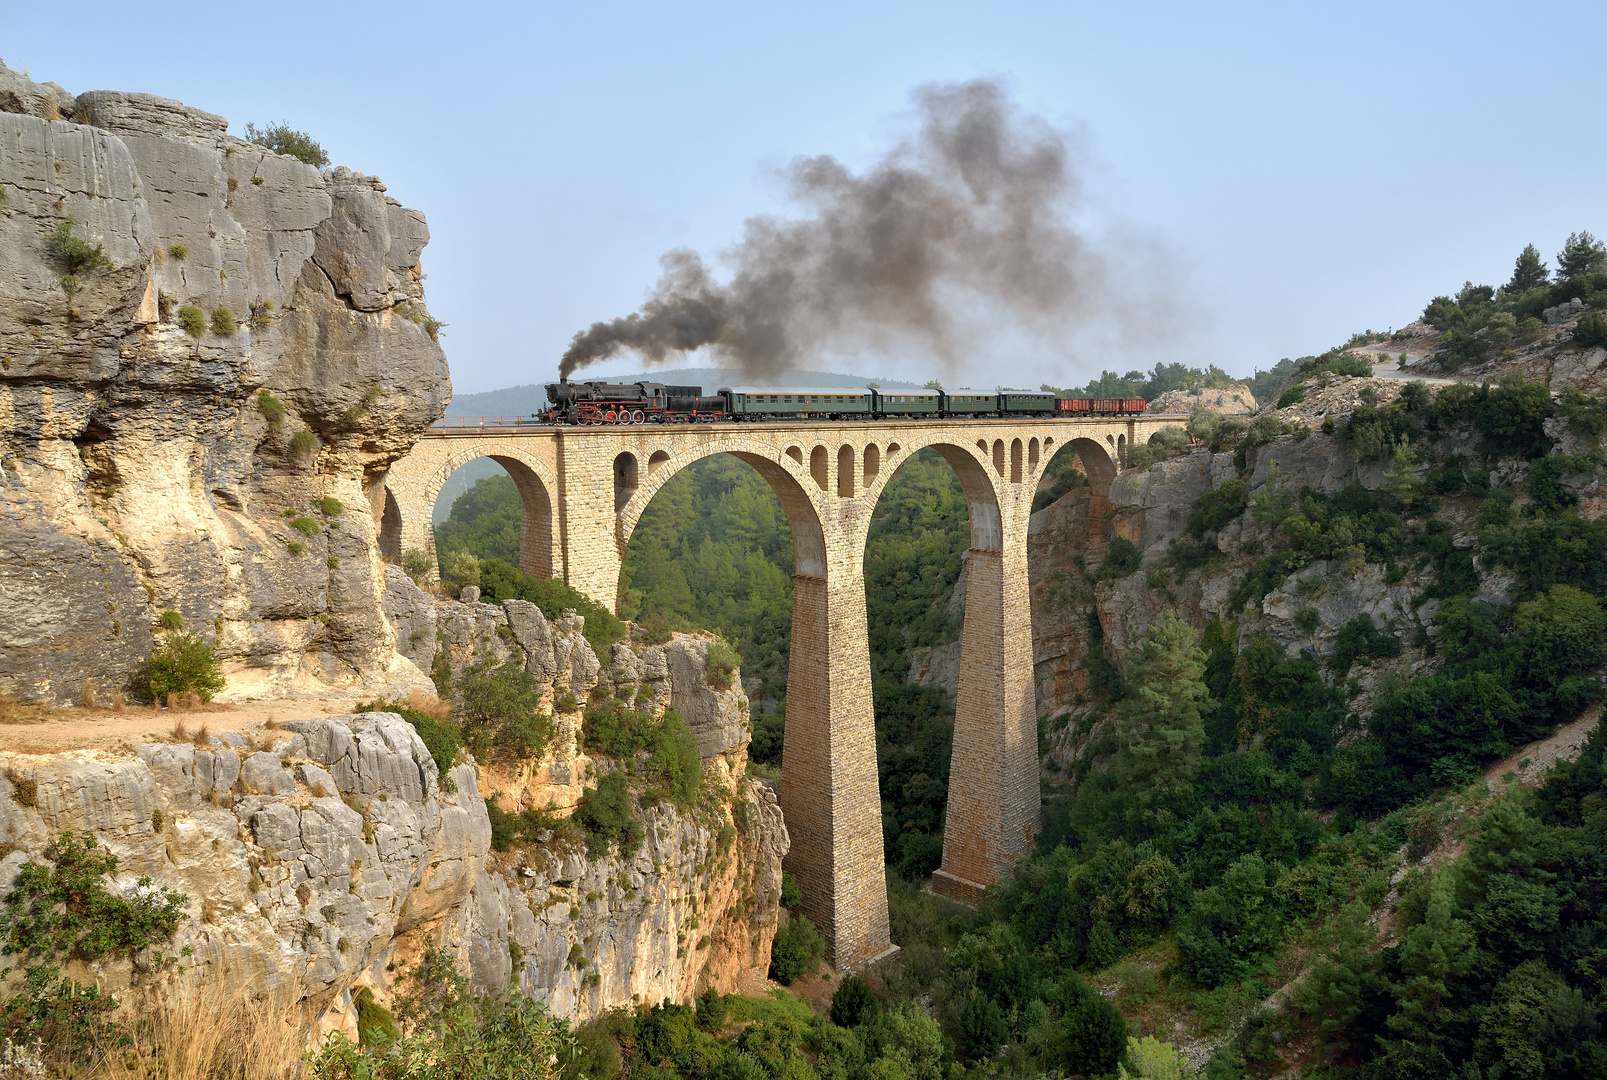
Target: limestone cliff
<point x="146" y="465"/>
<point x="1084" y="608"/>
<point x="318" y="855"/>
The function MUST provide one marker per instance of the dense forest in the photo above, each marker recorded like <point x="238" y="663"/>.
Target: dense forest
<point x="1252" y="858"/>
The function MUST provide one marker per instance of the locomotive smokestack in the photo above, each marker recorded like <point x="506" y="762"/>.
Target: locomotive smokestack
<point x="957" y="231"/>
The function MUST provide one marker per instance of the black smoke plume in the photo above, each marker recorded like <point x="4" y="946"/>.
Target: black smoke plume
<point x="959" y="228"/>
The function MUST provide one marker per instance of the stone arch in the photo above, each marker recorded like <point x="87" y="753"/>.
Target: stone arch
<point x="1096" y="460"/>
<point x="625" y="479"/>
<point x="820" y="467"/>
<point x="1121" y="450"/>
<point x="873" y="462"/>
<point x="998" y="456"/>
<point x="390" y="530"/>
<point x="1015" y="461"/>
<point x="534" y="479"/>
<point x="976" y="482"/>
<point x="845" y="471"/>
<point x="658" y="458"/>
<point x="1032" y="454"/>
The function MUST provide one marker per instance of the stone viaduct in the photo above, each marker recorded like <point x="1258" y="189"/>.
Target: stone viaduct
<point x="585" y="488"/>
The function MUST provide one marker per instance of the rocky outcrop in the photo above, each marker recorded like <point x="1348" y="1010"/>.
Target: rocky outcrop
<point x="145" y="468"/>
<point x="318" y="855"/>
<point x="307" y="852"/>
<point x="1232" y="400"/>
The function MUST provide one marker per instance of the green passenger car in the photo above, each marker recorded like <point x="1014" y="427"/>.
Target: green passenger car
<point x="783" y="403"/>
<point x="909" y="402"/>
<point x="962" y="402"/>
<point x="1027" y="401"/>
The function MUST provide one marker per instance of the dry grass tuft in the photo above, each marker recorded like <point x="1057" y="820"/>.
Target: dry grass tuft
<point x="202" y="735"/>
<point x="86" y="694"/>
<point x="206" y="1032"/>
<point x="429" y="705"/>
<point x="180" y="732"/>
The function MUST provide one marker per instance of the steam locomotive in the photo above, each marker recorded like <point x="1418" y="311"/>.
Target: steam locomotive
<point x="656" y="403"/>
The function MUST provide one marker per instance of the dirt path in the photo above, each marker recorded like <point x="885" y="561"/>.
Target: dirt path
<point x="33" y="730"/>
<point x="1529" y="763"/>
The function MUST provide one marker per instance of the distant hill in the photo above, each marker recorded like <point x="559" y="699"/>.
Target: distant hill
<point x="524" y="400"/>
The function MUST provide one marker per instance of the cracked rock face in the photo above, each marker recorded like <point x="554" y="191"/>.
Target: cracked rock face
<point x="144" y="469"/>
<point x="303" y="878"/>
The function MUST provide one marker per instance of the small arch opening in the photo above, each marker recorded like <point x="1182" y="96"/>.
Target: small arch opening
<point x="1015" y="461"/>
<point x="820" y="467"/>
<point x="1121" y="450"/>
<point x="982" y="445"/>
<point x="795" y="453"/>
<point x="624" y="479"/>
<point x="873" y="462"/>
<point x="845" y="471"/>
<point x="1032" y="454"/>
<point x="659" y="457"/>
<point x="893" y="448"/>
<point x="390" y="530"/>
<point x="998" y="456"/>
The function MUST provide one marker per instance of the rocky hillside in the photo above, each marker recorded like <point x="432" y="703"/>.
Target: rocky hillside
<point x="208" y="352"/>
<point x="318" y="856"/>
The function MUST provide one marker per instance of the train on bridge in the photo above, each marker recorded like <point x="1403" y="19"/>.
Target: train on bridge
<point x="656" y="403"/>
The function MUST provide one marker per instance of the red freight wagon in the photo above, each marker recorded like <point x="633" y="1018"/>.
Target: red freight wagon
<point x="1107" y="406"/>
<point x="1134" y="405"/>
<point x="1074" y="405"/>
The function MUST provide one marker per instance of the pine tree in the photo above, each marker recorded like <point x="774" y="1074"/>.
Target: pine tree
<point x="1529" y="271"/>
<point x="1580" y="255"/>
<point x="1161" y="729"/>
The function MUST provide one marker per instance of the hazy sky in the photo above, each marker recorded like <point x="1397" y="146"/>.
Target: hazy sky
<point x="1271" y="177"/>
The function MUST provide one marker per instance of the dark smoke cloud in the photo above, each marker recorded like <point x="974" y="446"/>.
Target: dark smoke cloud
<point x="960" y="227"/>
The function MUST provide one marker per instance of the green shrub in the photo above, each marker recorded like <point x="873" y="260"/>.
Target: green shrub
<point x="721" y="663"/>
<point x="223" y="321"/>
<point x="261" y="316"/>
<point x="296" y="549"/>
<point x="1591" y="329"/>
<point x="982" y="1027"/>
<point x="192" y="320"/>
<point x="615" y="730"/>
<point x="416" y="563"/>
<point x="304" y="525"/>
<point x="501" y="712"/>
<point x="459" y="568"/>
<point x="181" y="664"/>
<point x="1308" y="619"/>
<point x="1121" y="558"/>
<point x="853" y="1002"/>
<point x="66" y="909"/>
<point x="76" y="254"/>
<point x="303" y="443"/>
<point x="178" y="251"/>
<point x="281" y="138"/>
<point x="1294" y="395"/>
<point x="332" y="562"/>
<point x="796" y="951"/>
<point x="791" y="894"/>
<point x="606" y="813"/>
<point x="171" y="620"/>
<point x="712" y="1009"/>
<point x="272" y="410"/>
<point x="329" y="506"/>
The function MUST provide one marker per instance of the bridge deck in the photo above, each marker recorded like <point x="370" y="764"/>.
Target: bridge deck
<point x="470" y="425"/>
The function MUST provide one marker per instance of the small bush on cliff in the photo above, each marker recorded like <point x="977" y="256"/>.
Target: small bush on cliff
<point x="501" y="712"/>
<point x="796" y="951"/>
<point x="192" y="320"/>
<point x="605" y="813"/>
<point x="303" y="444"/>
<point x="281" y="138"/>
<point x="415" y="563"/>
<point x="179" y="251"/>
<point x="181" y="664"/>
<point x="329" y="506"/>
<point x="272" y="410"/>
<point x="223" y="321"/>
<point x="305" y="525"/>
<point x="721" y="663"/>
<point x="60" y="910"/>
<point x="78" y="255"/>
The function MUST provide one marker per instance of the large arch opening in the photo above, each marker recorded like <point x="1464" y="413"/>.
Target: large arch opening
<point x="916" y="553"/>
<point x="492" y="515"/>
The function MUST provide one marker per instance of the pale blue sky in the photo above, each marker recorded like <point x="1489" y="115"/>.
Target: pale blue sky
<point x="1303" y="171"/>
